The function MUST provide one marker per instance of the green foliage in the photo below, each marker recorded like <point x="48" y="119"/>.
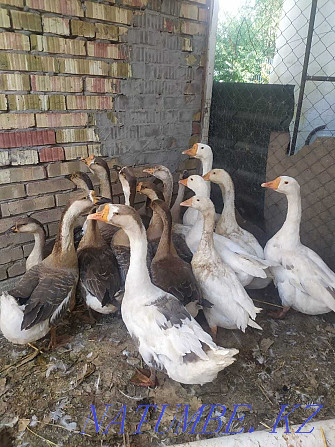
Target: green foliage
<point x="246" y="42"/>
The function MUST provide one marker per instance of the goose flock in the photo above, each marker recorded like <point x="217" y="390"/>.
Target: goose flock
<point x="160" y="269"/>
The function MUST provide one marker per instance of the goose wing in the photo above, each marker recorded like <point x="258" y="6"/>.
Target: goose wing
<point x="51" y="296"/>
<point x="99" y="274"/>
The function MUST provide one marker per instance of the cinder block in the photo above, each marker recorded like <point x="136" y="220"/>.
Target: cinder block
<point x="4" y="18"/>
<point x="11" y="254"/>
<point x="26" y="21"/>
<point x="56" y="83"/>
<point x="189" y="11"/>
<point x="61" y="119"/>
<point x="57" y="102"/>
<point x="27" y="205"/>
<point x="74" y="152"/>
<point x="4" y="158"/>
<point x="65" y="168"/>
<point x="12" y="192"/>
<point x="108" y="13"/>
<point x="46" y="216"/>
<point x="107" y="32"/>
<point x="193" y="28"/>
<point x="82" y="66"/>
<point x="27" y="102"/>
<point x="71" y="8"/>
<point x="80" y="28"/>
<point x="48" y="186"/>
<point x="76" y="135"/>
<point x="59" y="45"/>
<point x="27" y="62"/>
<point x="56" y="25"/>
<point x="16" y="120"/>
<point x="14" y="81"/>
<point x="120" y="70"/>
<point x="18" y="3"/>
<point x="23" y="157"/>
<point x="18" y="268"/>
<point x="3" y="102"/>
<point x="26" y="174"/>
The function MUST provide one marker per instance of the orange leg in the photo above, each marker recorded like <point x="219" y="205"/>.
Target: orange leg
<point x="280" y="314"/>
<point x="144" y="378"/>
<point x="214" y="331"/>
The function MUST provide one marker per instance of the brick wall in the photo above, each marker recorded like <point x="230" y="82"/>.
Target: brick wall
<point x="118" y="78"/>
<point x="314" y="168"/>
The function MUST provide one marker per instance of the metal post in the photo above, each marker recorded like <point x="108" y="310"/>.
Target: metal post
<point x="303" y="76"/>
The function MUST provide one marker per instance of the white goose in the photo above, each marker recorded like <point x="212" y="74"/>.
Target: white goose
<point x="232" y="307"/>
<point x="168" y="338"/>
<point x="304" y="281"/>
<point x="246" y="266"/>
<point x="227" y="224"/>
<point x="204" y="153"/>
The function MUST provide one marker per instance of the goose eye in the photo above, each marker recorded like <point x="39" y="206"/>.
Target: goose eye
<point x="198" y="200"/>
<point x="116" y="214"/>
<point x="191" y="179"/>
<point x="286" y="183"/>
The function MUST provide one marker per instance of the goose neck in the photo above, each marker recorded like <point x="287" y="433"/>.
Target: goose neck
<point x="36" y="254"/>
<point x="228" y="219"/>
<point x="207" y="242"/>
<point x="290" y="231"/>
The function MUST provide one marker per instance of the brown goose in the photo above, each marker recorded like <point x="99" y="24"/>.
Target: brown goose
<point x="33" y="226"/>
<point x="99" y="167"/>
<point x="168" y="270"/>
<point x="98" y="270"/>
<point x="155" y="228"/>
<point x="43" y="295"/>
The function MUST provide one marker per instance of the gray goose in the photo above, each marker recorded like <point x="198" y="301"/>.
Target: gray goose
<point x="99" y="167"/>
<point x="169" y="271"/>
<point x="46" y="291"/>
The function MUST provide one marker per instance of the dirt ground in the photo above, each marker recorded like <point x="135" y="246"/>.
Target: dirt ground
<point x="46" y="396"/>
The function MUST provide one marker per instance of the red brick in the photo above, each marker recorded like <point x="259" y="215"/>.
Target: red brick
<point x="29" y="138"/>
<point x="101" y="85"/>
<point x="105" y="50"/>
<point x="196" y="128"/>
<point x="51" y="154"/>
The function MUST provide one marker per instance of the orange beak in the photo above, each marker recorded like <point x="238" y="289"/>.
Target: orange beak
<point x="139" y="187"/>
<point x="272" y="185"/>
<point x="149" y="171"/>
<point x="183" y="181"/>
<point x="206" y="176"/>
<point x="192" y="152"/>
<point x="100" y="215"/>
<point x="187" y="202"/>
<point x="88" y="161"/>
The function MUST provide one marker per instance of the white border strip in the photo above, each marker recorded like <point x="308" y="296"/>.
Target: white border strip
<point x="323" y="435"/>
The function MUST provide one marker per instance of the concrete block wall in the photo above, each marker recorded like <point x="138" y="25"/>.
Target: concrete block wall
<point x="122" y="79"/>
<point x="314" y="168"/>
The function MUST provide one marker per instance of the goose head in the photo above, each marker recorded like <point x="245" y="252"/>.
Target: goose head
<point x="81" y="180"/>
<point x="150" y="190"/>
<point x="122" y="216"/>
<point x="202" y="204"/>
<point x="283" y="184"/>
<point x="159" y="171"/>
<point x="26" y="225"/>
<point x="199" y="150"/>
<point x="128" y="180"/>
<point x="219" y="176"/>
<point x="197" y="184"/>
<point x="96" y="164"/>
